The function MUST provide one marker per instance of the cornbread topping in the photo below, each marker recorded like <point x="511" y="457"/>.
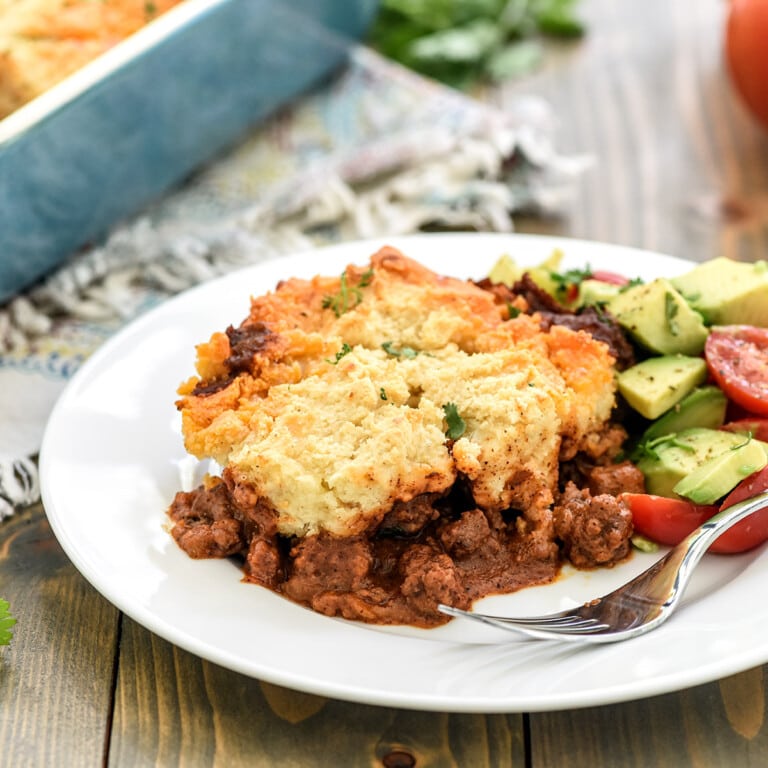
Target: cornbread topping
<point x="392" y="438"/>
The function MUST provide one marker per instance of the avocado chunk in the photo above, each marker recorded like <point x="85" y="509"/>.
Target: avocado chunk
<point x="596" y="292"/>
<point x="507" y="272"/>
<point x="721" y="474"/>
<point x="657" y="316"/>
<point x="668" y="460"/>
<point x="655" y="385"/>
<point x="727" y="292"/>
<point x="703" y="407"/>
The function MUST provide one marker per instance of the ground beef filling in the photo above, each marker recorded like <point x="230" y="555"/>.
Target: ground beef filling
<point x="431" y="550"/>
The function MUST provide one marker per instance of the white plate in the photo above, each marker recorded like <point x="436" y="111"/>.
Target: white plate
<point x="112" y="460"/>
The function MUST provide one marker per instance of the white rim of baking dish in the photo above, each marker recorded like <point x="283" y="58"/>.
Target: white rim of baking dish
<point x="104" y="65"/>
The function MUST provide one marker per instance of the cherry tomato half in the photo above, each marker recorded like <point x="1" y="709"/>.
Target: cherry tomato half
<point x="746" y="33"/>
<point x="669" y="521"/>
<point x="752" y="531"/>
<point x="664" y="520"/>
<point x="756" y="426"/>
<point x="737" y="358"/>
<point x="749" y="486"/>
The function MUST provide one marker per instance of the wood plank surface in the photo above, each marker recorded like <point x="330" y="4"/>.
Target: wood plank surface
<point x="678" y="165"/>
<point x="173" y="708"/>
<point x="56" y="676"/>
<point x="710" y="726"/>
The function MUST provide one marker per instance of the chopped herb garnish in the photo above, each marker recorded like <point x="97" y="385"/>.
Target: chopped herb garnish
<point x="383" y="393"/>
<point x="513" y="311"/>
<point x="566" y="281"/>
<point x="456" y="425"/>
<point x="6" y="622"/>
<point x="366" y="277"/>
<point x="631" y="284"/>
<point x="348" y="296"/>
<point x="648" y="448"/>
<point x="345" y="350"/>
<point x="406" y="352"/>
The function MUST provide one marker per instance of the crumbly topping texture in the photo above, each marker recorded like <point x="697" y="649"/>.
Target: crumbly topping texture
<point x="327" y="403"/>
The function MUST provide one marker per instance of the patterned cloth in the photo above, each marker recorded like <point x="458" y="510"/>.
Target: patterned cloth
<point x="377" y="150"/>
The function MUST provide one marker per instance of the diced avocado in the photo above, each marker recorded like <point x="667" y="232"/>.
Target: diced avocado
<point x="597" y="292"/>
<point x="505" y="271"/>
<point x="659" y="318"/>
<point x="727" y="292"/>
<point x="670" y="459"/>
<point x="655" y="385"/>
<point x="704" y="407"/>
<point x="542" y="274"/>
<point x="721" y="474"/>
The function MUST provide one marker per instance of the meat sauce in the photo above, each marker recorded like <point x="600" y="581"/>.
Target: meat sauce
<point x="431" y="550"/>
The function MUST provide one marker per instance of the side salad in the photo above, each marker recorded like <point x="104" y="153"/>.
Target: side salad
<point x="696" y="399"/>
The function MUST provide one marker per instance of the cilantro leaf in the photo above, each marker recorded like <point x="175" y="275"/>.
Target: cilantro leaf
<point x="405" y="352"/>
<point x="570" y="278"/>
<point x="648" y="448"/>
<point x="6" y="622"/>
<point x="348" y="296"/>
<point x="456" y="425"/>
<point x="345" y="350"/>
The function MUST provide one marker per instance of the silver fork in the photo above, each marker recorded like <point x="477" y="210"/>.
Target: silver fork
<point x="635" y="608"/>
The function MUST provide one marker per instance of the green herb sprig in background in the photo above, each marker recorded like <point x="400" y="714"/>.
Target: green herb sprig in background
<point x="6" y="622"/>
<point x="460" y="42"/>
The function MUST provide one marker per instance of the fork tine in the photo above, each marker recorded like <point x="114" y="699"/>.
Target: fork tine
<point x="560" y="623"/>
<point x="580" y="628"/>
<point x="562" y="632"/>
<point x="555" y="621"/>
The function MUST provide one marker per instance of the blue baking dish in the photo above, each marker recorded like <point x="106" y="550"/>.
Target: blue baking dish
<point x="114" y="136"/>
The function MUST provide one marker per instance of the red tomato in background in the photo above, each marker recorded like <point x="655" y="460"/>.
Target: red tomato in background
<point x="612" y="278"/>
<point x="669" y="521"/>
<point x="737" y="359"/>
<point x="746" y="35"/>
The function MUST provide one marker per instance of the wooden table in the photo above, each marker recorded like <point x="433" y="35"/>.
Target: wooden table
<point x="680" y="168"/>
